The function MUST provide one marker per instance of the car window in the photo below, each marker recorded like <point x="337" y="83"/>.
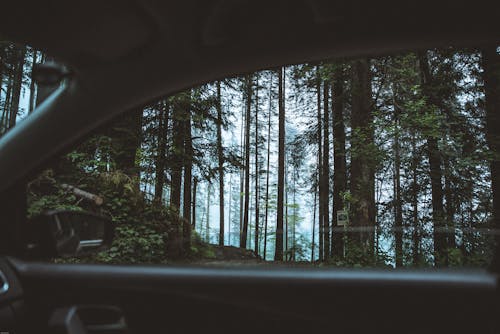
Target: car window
<point x="369" y="162"/>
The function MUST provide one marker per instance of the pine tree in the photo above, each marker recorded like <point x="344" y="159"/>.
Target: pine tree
<point x="398" y="210"/>
<point x="435" y="160"/>
<point x="281" y="168"/>
<point x="268" y="161"/>
<point x="160" y="163"/>
<point x="362" y="153"/>
<point x="220" y="156"/>
<point x="339" y="155"/>
<point x="257" y="170"/>
<point x="326" y="170"/>
<point x="188" y="175"/>
<point x="491" y="66"/>
<point x="248" y="106"/>
<point x="320" y="168"/>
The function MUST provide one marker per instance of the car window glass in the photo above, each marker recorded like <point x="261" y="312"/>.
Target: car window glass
<point x="369" y="162"/>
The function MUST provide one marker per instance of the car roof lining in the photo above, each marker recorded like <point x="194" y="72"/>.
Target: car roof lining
<point x="97" y="33"/>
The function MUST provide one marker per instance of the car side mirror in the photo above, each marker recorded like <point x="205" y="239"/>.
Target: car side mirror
<point x="69" y="234"/>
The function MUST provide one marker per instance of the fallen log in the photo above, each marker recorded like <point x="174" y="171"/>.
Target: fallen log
<point x="97" y="200"/>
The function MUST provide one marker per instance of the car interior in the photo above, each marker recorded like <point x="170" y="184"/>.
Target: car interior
<point x="122" y="55"/>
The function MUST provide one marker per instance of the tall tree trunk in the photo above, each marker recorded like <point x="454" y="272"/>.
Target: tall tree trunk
<point x="188" y="178"/>
<point x="220" y="155"/>
<point x="326" y="170"/>
<point x="362" y="159"/>
<point x="126" y="140"/>
<point x="195" y="189"/>
<point x="32" y="106"/>
<point x="286" y="210"/>
<point x="177" y="154"/>
<point x="180" y="110"/>
<point x="207" y="227"/>
<point x="229" y="216"/>
<point x="398" y="210"/>
<point x="1" y="89"/>
<point x="320" y="164"/>
<point x="6" y="107"/>
<point x="248" y="89"/>
<point x="313" y="245"/>
<point x="17" y="85"/>
<point x="491" y="66"/>
<point x="242" y="173"/>
<point x="278" y="255"/>
<point x="257" y="174"/>
<point x="414" y="200"/>
<point x="468" y="212"/>
<point x="339" y="156"/>
<point x="434" y="155"/>
<point x="450" y="203"/>
<point x="437" y="199"/>
<point x="294" y="243"/>
<point x="161" y="151"/>
<point x="268" y="165"/>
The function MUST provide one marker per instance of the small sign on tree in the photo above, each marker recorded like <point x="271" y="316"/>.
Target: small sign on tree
<point x="342" y="218"/>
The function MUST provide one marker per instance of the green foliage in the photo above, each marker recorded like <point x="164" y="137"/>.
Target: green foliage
<point x="135" y="244"/>
<point x="45" y="194"/>
<point x="200" y="249"/>
<point x="361" y="256"/>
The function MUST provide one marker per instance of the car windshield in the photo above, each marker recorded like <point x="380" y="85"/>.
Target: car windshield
<point x="382" y="161"/>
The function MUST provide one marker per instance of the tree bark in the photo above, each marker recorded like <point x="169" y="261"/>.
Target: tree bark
<point x="450" y="203"/>
<point x="320" y="164"/>
<point x="434" y="155"/>
<point x="414" y="201"/>
<point x="242" y="173"/>
<point x="188" y="176"/>
<point x="161" y="151"/>
<point x="195" y="189"/>
<point x="339" y="157"/>
<point x="256" y="158"/>
<point x="6" y="107"/>
<point x="313" y="246"/>
<point x="177" y="154"/>
<point x="278" y="255"/>
<point x="96" y="199"/>
<point x="126" y="140"/>
<point x="248" y="89"/>
<point x="32" y="106"/>
<point x="285" y="187"/>
<point x="491" y="66"/>
<point x="362" y="159"/>
<point x="220" y="155"/>
<point x="326" y="170"/>
<point x="17" y="85"/>
<point x="294" y="224"/>
<point x="268" y="166"/>
<point x="398" y="210"/>
<point x="3" y="115"/>
<point x="180" y="109"/>
<point x="229" y="216"/>
<point x="207" y="227"/>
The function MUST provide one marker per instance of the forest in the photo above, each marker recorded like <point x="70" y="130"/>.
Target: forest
<point x="386" y="161"/>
